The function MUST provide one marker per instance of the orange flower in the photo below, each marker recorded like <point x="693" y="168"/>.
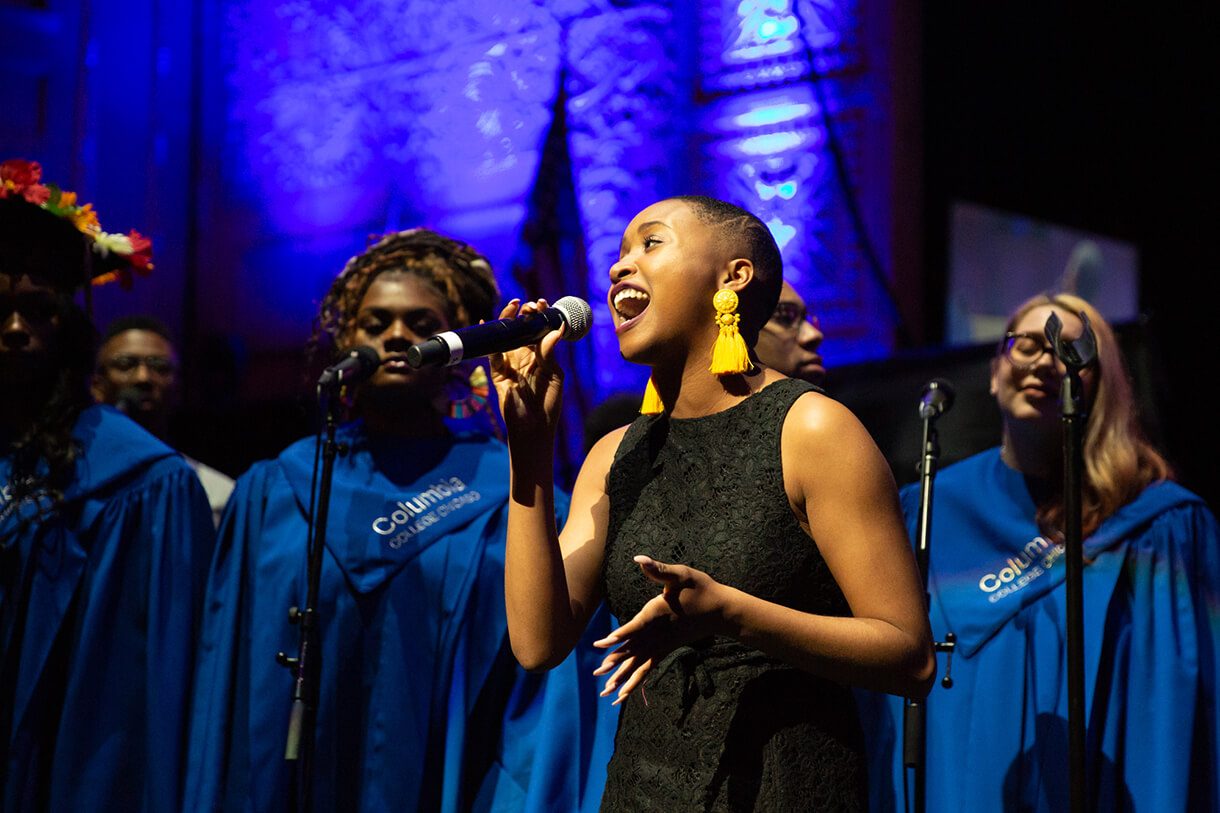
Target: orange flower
<point x="85" y="219"/>
<point x="116" y="256"/>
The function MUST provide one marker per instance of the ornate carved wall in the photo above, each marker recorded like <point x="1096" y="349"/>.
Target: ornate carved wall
<point x="354" y="118"/>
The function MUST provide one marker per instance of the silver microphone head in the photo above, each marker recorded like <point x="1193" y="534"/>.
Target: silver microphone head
<point x="577" y="315"/>
<point x="937" y="398"/>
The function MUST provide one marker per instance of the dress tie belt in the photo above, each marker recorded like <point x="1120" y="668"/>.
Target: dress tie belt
<point x="683" y="676"/>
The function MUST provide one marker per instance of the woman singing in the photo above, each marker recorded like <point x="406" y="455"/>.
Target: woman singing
<point x="748" y="534"/>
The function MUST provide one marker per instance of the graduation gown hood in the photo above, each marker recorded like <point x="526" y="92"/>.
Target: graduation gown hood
<point x="421" y="705"/>
<point x="98" y="607"/>
<point x="997" y="740"/>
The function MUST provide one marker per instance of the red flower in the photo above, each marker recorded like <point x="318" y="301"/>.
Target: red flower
<point x="141" y="253"/>
<point x="21" y="177"/>
<point x="119" y="257"/>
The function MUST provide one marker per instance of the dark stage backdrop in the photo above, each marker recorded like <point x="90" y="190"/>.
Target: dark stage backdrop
<point x="885" y="396"/>
<point x="1100" y="120"/>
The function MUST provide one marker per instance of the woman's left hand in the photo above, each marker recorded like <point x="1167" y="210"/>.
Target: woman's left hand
<point x="691" y="607"/>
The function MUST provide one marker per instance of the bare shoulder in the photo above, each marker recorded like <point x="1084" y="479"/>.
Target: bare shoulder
<point x="816" y="421"/>
<point x="827" y="451"/>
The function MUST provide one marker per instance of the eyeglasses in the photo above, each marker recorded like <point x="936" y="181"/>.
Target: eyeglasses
<point x="1024" y="350"/>
<point x="789" y="315"/>
<point x="158" y="365"/>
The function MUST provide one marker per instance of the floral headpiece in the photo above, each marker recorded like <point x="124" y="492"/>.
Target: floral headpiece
<point x="114" y="256"/>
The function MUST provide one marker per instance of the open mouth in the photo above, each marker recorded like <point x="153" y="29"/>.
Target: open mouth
<point x="629" y="303"/>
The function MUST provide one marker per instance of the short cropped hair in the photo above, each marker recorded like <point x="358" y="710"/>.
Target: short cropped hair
<point x="150" y="324"/>
<point x="743" y="230"/>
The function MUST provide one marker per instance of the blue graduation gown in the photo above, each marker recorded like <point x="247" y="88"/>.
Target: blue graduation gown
<point x="997" y="740"/>
<point x="99" y="606"/>
<point x="422" y="705"/>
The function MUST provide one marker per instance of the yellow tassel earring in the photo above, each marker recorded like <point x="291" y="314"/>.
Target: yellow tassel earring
<point x="730" y="354"/>
<point x="652" y="400"/>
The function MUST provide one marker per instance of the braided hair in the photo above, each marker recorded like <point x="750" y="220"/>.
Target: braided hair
<point x="459" y="274"/>
<point x="48" y="441"/>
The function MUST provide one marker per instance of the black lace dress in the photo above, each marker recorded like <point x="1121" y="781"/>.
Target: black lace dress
<point x="717" y="725"/>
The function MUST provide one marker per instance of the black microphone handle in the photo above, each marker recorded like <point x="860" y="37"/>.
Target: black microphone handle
<point x="477" y="341"/>
<point x="433" y="352"/>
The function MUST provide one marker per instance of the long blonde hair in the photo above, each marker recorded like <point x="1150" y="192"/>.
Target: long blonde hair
<point x="1119" y="461"/>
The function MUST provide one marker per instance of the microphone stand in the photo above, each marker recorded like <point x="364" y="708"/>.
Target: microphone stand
<point x="915" y="712"/>
<point x="307" y="666"/>
<point x="1075" y="355"/>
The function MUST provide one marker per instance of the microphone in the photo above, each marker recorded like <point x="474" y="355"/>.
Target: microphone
<point x="356" y="365"/>
<point x="936" y="400"/>
<point x="128" y="399"/>
<point x="503" y="334"/>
